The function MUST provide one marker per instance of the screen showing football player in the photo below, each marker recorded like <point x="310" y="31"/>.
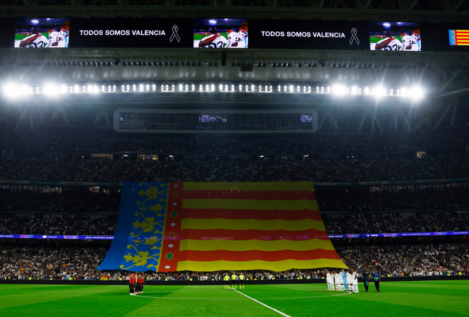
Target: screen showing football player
<point x="36" y="40"/>
<point x="417" y="39"/>
<point x="409" y="42"/>
<point x="65" y="34"/>
<point x="56" y="39"/>
<point x="389" y="43"/>
<point x="214" y="40"/>
<point x="236" y="39"/>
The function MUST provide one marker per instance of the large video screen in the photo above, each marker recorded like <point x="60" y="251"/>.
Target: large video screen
<point x="395" y="36"/>
<point x="212" y="118"/>
<point x="220" y="33"/>
<point x="42" y="33"/>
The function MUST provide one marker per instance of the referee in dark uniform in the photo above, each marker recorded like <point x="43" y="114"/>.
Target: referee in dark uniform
<point x="376" y="279"/>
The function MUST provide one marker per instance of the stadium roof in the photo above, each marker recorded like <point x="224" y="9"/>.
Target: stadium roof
<point x="394" y="10"/>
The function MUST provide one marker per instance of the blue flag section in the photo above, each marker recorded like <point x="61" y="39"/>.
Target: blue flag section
<point x="139" y="234"/>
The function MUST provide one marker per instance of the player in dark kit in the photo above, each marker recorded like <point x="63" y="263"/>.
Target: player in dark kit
<point x="132" y="284"/>
<point x="377" y="279"/>
<point x="140" y="282"/>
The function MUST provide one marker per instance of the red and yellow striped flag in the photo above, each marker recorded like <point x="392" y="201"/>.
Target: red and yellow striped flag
<point x="459" y="37"/>
<point x="244" y="226"/>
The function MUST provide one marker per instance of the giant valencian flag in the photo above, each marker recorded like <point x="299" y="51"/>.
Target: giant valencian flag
<point x="220" y="226"/>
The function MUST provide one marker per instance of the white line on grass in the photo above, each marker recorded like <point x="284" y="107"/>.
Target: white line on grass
<point x="262" y="303"/>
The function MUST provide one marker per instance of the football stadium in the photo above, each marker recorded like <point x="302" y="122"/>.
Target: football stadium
<point x="234" y="158"/>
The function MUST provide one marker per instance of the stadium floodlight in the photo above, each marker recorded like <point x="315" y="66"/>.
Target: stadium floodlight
<point x="379" y="92"/>
<point x="403" y="92"/>
<point x="12" y="91"/>
<point x="339" y="90"/>
<point x="92" y="89"/>
<point x="50" y="90"/>
<point x="212" y="21"/>
<point x="26" y="90"/>
<point x="417" y="93"/>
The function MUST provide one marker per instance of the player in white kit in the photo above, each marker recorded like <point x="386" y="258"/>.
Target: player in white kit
<point x="65" y="34"/>
<point x="236" y="39"/>
<point x="56" y="39"/>
<point x="409" y="42"/>
<point x="339" y="281"/>
<point x="417" y="40"/>
<point x="354" y="277"/>
<point x="329" y="281"/>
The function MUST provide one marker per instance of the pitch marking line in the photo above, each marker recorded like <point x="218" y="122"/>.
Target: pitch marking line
<point x="262" y="304"/>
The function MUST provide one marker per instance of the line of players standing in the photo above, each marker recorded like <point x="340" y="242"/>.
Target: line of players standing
<point x="348" y="281"/>
<point x="136" y="283"/>
<point x="234" y="280"/>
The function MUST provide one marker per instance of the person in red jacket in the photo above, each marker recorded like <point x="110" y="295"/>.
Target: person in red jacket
<point x="132" y="284"/>
<point x="140" y="282"/>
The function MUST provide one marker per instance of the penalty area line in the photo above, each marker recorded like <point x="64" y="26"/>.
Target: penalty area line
<point x="275" y="310"/>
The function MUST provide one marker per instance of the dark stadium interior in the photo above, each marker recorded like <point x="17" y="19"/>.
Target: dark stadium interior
<point x="289" y="144"/>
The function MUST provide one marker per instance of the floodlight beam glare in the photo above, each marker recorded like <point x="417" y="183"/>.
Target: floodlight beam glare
<point x="13" y="90"/>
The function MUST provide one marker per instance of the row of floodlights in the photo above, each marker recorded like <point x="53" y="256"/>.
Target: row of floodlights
<point x="53" y="90"/>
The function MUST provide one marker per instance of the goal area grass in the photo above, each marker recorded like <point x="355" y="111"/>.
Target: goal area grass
<point x="403" y="299"/>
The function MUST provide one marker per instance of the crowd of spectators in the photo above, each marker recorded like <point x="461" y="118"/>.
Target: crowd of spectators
<point x="341" y="199"/>
<point x="403" y="260"/>
<point x="57" y="225"/>
<point x="46" y="263"/>
<point x="103" y="142"/>
<point x="394" y="223"/>
<point x="81" y="263"/>
<point x="65" y="202"/>
<point x="232" y="170"/>
<point x="358" y="200"/>
<point x="335" y="224"/>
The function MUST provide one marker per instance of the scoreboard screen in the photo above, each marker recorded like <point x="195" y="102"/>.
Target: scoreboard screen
<point x="459" y="37"/>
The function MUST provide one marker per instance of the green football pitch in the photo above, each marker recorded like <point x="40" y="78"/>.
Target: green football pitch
<point x="403" y="299"/>
<point x="374" y="39"/>
<point x="198" y="37"/>
<point x="19" y="37"/>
